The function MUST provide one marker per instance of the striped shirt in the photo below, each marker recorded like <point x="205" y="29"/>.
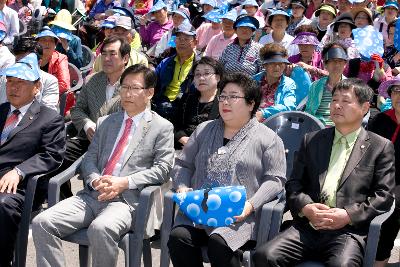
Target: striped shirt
<point x="242" y="59"/>
<point x="323" y="110"/>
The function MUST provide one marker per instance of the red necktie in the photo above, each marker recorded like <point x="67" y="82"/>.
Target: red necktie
<point x="10" y="124"/>
<point x="116" y="155"/>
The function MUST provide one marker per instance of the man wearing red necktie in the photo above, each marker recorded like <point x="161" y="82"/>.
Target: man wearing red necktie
<point x="130" y="150"/>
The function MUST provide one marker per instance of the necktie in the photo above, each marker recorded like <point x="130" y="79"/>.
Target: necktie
<point x="10" y="124"/>
<point x="116" y="155"/>
<point x="336" y="167"/>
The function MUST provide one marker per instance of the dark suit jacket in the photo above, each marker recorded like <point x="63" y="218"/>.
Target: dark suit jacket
<point x="36" y="145"/>
<point x="365" y="188"/>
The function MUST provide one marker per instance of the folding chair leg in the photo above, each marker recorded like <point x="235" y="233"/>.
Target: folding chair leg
<point x="84" y="256"/>
<point x="146" y="253"/>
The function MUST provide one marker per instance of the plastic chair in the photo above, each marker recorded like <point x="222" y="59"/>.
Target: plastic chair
<point x="76" y="80"/>
<point x="23" y="232"/>
<point x="88" y="60"/>
<point x="268" y="227"/>
<point x="133" y="243"/>
<point x="291" y="126"/>
<point x="374" y="232"/>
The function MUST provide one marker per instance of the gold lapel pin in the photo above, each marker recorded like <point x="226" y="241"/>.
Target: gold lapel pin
<point x="31" y="117"/>
<point x="362" y="146"/>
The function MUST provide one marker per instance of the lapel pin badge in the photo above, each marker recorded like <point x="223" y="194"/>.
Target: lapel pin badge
<point x="30" y="117"/>
<point x="362" y="146"/>
<point x="221" y="150"/>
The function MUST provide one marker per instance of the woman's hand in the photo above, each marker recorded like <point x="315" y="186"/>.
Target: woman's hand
<point x="184" y="189"/>
<point x="183" y="140"/>
<point x="259" y="116"/>
<point x="247" y="210"/>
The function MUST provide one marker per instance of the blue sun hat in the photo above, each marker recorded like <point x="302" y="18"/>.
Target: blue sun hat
<point x="231" y="15"/>
<point x="246" y="21"/>
<point x="27" y="68"/>
<point x="110" y="22"/>
<point x="3" y="30"/>
<point x="62" y="33"/>
<point x="158" y="6"/>
<point x="250" y="3"/>
<point x="46" y="32"/>
<point x="208" y="2"/>
<point x="213" y="16"/>
<point x="214" y="207"/>
<point x="368" y="41"/>
<point x="391" y="3"/>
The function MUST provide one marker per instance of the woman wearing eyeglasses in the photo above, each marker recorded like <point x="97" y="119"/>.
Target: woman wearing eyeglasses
<point x="201" y="105"/>
<point x="234" y="149"/>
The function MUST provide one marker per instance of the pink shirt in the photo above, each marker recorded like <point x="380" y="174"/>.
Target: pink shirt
<point x="217" y="45"/>
<point x="204" y="34"/>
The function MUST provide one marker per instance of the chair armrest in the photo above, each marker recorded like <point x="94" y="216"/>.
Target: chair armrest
<point x="56" y="182"/>
<point x="373" y="236"/>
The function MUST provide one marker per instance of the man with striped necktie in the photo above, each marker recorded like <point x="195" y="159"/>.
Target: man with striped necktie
<point x="130" y="149"/>
<point x="32" y="142"/>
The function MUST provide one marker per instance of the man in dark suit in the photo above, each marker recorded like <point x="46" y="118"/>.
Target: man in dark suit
<point x="342" y="179"/>
<point x="32" y="142"/>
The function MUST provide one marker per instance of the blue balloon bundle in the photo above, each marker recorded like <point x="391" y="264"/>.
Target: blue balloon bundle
<point x="213" y="207"/>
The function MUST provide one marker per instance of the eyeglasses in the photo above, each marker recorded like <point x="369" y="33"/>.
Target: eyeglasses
<point x="185" y="39"/>
<point x="229" y="98"/>
<point x="205" y="75"/>
<point x="130" y="89"/>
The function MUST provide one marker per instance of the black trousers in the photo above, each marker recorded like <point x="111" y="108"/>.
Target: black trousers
<point x="11" y="206"/>
<point x="185" y="244"/>
<point x="301" y="242"/>
<point x="75" y="148"/>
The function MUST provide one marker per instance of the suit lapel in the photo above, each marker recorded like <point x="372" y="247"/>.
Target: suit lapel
<point x="102" y="95"/>
<point x="138" y="135"/>
<point x="360" y="147"/>
<point x="324" y="154"/>
<point x="4" y="110"/>
<point x="30" y="115"/>
<point x="111" y="138"/>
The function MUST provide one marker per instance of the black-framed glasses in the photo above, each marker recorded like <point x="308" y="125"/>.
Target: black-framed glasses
<point x="229" y="98"/>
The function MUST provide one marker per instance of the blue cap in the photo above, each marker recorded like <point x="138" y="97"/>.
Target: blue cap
<point x="27" y="68"/>
<point x="186" y="28"/>
<point x="250" y="3"/>
<point x="278" y="12"/>
<point x="208" y="2"/>
<point x="121" y="11"/>
<point x="108" y="23"/>
<point x="184" y="12"/>
<point x="2" y="35"/>
<point x="246" y="21"/>
<point x="46" y="32"/>
<point x="391" y="4"/>
<point x="221" y="205"/>
<point x="231" y="15"/>
<point x="62" y="33"/>
<point x="213" y="16"/>
<point x="158" y="6"/>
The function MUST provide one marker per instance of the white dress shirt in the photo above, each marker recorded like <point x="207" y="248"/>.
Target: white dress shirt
<point x="12" y="24"/>
<point x="286" y="42"/>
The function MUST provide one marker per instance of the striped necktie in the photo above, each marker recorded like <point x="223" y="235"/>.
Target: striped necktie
<point x="10" y="124"/>
<point x="109" y="168"/>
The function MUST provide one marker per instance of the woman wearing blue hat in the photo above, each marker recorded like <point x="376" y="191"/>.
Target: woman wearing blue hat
<point x="207" y="30"/>
<point x="391" y="9"/>
<point x="242" y="55"/>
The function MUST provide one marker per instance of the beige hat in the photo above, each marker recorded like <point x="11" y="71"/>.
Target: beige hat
<point x="124" y="22"/>
<point x="63" y="19"/>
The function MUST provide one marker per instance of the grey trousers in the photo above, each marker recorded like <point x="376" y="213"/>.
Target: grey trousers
<point x="106" y="223"/>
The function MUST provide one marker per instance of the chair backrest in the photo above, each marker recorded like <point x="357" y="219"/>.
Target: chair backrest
<point x="291" y="126"/>
<point x="88" y="58"/>
<point x="76" y="80"/>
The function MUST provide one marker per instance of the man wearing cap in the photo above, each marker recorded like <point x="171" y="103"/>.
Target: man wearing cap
<point x="6" y="58"/>
<point x="173" y="77"/>
<point x="123" y="28"/>
<point x="32" y="142"/>
<point x="243" y="54"/>
<point x="207" y="30"/>
<point x="153" y="32"/>
<point x="10" y="18"/>
<point x="219" y="42"/>
<point x="343" y="178"/>
<point x="391" y="9"/>
<point x="325" y="14"/>
<point x="167" y="41"/>
<point x="69" y="44"/>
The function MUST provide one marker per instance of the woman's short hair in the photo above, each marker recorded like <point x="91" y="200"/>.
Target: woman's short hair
<point x="273" y="48"/>
<point x="362" y="91"/>
<point x="124" y="49"/>
<point x="28" y="45"/>
<point x="251" y="91"/>
<point x="306" y="28"/>
<point x="215" y="64"/>
<point x="149" y="75"/>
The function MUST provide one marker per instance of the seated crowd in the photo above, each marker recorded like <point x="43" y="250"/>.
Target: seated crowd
<point x="181" y="93"/>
